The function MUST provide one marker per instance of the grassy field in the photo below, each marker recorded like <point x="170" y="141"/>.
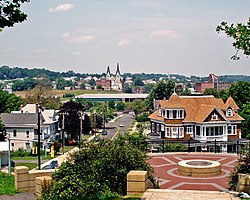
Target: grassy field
<point x="29" y="165"/>
<point x="7" y="185"/>
<point x="60" y="93"/>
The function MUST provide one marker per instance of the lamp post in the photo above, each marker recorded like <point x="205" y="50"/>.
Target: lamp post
<point x="39" y="136"/>
<point x="95" y="122"/>
<point x="63" y="126"/>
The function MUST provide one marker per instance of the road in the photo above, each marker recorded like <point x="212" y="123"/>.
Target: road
<point x="113" y="128"/>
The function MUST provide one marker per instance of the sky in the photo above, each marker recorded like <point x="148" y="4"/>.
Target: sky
<point x="143" y="36"/>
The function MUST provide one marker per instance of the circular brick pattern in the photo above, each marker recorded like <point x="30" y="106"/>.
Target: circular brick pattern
<point x="166" y="169"/>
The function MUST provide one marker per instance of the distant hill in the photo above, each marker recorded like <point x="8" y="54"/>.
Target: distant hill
<point x="12" y="73"/>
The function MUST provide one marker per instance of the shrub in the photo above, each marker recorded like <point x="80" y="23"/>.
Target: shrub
<point x="142" y="117"/>
<point x="67" y="95"/>
<point x="7" y="185"/>
<point x="98" y="169"/>
<point x="173" y="147"/>
<point x="20" y="153"/>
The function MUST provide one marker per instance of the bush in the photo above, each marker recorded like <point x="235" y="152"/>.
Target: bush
<point x="142" y="117"/>
<point x="98" y="169"/>
<point x="67" y="95"/>
<point x="172" y="147"/>
<point x="20" y="153"/>
<point x="242" y="166"/>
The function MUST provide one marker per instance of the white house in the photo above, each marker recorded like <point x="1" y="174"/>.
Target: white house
<point x="3" y="154"/>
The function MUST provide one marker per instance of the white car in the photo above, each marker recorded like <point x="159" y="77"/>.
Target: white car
<point x="121" y="125"/>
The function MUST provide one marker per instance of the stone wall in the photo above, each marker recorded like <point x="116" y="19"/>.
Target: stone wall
<point x="25" y="179"/>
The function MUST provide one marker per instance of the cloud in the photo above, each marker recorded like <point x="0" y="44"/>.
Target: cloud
<point x="81" y="39"/>
<point x="166" y="33"/>
<point x="61" y="7"/>
<point x="66" y="35"/>
<point x="124" y="42"/>
<point x="77" y="53"/>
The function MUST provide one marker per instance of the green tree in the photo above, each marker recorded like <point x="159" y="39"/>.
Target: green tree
<point x="127" y="88"/>
<point x="211" y="91"/>
<point x="86" y="125"/>
<point x="99" y="87"/>
<point x="186" y="92"/>
<point x="138" y="82"/>
<point x="245" y="125"/>
<point x="161" y="90"/>
<point x="71" y="118"/>
<point x="240" y="92"/>
<point x="9" y="102"/>
<point x="120" y="105"/>
<point x="240" y="33"/>
<point x="111" y="104"/>
<point x="10" y="13"/>
<point x="138" y="106"/>
<point x="100" y="168"/>
<point x="83" y="86"/>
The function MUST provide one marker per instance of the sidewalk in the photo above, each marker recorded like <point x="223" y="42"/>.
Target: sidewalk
<point x="161" y="194"/>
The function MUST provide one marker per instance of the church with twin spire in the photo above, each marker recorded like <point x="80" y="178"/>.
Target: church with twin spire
<point x="111" y="82"/>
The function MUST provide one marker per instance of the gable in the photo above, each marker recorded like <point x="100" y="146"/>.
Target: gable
<point x="215" y="116"/>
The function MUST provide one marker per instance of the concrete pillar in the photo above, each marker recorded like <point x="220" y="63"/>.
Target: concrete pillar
<point x="243" y="184"/>
<point x="136" y="182"/>
<point x="22" y="178"/>
<point x="41" y="183"/>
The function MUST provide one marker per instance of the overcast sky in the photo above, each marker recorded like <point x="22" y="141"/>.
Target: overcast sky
<point x="150" y="36"/>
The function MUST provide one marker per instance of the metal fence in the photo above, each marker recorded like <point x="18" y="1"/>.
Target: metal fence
<point x="162" y="146"/>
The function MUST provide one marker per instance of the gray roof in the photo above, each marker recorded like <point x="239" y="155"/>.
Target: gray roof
<point x="20" y="119"/>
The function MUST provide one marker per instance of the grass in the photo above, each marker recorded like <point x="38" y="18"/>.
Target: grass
<point x="29" y="165"/>
<point x="60" y="93"/>
<point x="30" y="157"/>
<point x="7" y="185"/>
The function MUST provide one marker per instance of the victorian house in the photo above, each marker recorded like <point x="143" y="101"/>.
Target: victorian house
<point x="197" y="118"/>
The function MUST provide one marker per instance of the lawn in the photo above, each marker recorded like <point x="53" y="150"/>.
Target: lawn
<point x="29" y="165"/>
<point x="7" y="185"/>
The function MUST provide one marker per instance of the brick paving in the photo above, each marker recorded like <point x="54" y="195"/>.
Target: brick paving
<point x="166" y="169"/>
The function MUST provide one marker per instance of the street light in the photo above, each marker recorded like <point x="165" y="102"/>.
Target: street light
<point x="63" y="125"/>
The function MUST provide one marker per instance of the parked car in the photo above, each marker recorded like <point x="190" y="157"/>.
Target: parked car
<point x="121" y="125"/>
<point x="104" y="132"/>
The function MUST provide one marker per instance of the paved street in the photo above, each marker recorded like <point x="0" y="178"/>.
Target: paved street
<point x="114" y="127"/>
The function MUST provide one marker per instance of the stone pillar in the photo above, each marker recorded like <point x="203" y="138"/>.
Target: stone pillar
<point x="243" y="184"/>
<point x="22" y="178"/>
<point x="40" y="183"/>
<point x="136" y="182"/>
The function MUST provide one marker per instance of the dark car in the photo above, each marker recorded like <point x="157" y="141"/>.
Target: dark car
<point x="104" y="132"/>
<point x="52" y="165"/>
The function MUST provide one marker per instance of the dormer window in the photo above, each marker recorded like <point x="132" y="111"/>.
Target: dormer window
<point x="214" y="117"/>
<point x="174" y="114"/>
<point x="229" y="112"/>
<point x="159" y="112"/>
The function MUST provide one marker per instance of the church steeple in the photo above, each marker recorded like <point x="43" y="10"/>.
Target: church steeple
<point x="117" y="73"/>
<point x="108" y="72"/>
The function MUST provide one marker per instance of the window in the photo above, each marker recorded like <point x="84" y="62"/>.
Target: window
<point x="12" y="144"/>
<point x="214" y="117"/>
<point x="189" y="129"/>
<point x="27" y="145"/>
<point x="27" y="133"/>
<point x="162" y="127"/>
<point x="14" y="133"/>
<point x="174" y="132"/>
<point x="181" y="131"/>
<point x="174" y="114"/>
<point x="153" y="127"/>
<point x="198" y="130"/>
<point x="232" y="130"/>
<point x="157" y="128"/>
<point x="229" y="112"/>
<point x="167" y="133"/>
<point x="160" y="112"/>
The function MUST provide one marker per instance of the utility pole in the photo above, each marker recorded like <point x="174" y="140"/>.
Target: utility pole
<point x="63" y="141"/>
<point x="95" y="122"/>
<point x="39" y="138"/>
<point x="9" y="163"/>
<point x="81" y="117"/>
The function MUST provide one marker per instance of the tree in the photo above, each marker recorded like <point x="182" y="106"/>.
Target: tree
<point x="9" y="102"/>
<point x="99" y="87"/>
<point x="138" y="106"/>
<point x="86" y="125"/>
<point x="241" y="35"/>
<point x="186" y="92"/>
<point x="100" y="168"/>
<point x="10" y="13"/>
<point x="138" y="82"/>
<point x="211" y="91"/>
<point x="245" y="125"/>
<point x="111" y="104"/>
<point x="120" y="105"/>
<point x="83" y="86"/>
<point x="127" y="88"/>
<point x="240" y="92"/>
<point x="161" y="90"/>
<point x="71" y="118"/>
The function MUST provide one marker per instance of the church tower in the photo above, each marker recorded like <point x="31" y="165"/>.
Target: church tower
<point x="108" y="75"/>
